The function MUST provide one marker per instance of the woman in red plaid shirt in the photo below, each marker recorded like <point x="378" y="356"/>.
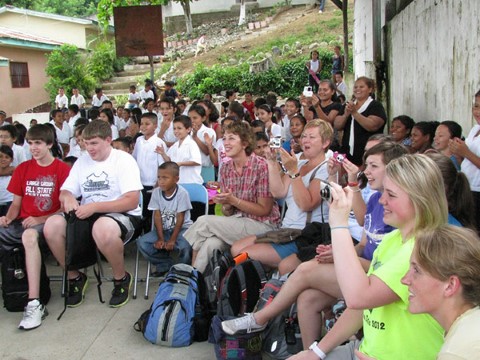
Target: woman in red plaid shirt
<point x="247" y="204"/>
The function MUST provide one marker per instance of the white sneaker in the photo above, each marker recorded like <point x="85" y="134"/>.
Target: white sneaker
<point x="33" y="315"/>
<point x="320" y="11"/>
<point x="244" y="324"/>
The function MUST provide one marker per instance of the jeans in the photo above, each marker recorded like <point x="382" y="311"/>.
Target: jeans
<point x="162" y="258"/>
<point x="322" y="5"/>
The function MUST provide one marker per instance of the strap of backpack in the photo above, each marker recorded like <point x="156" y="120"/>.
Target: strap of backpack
<point x="309" y="214"/>
<point x="243" y="288"/>
<point x="261" y="272"/>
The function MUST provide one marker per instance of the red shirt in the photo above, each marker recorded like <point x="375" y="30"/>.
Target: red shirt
<point x="251" y="185"/>
<point x="249" y="107"/>
<point x="38" y="186"/>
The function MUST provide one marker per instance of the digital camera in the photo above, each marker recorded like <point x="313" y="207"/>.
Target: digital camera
<point x="275" y="142"/>
<point x="339" y="157"/>
<point x="325" y="191"/>
<point x="307" y="91"/>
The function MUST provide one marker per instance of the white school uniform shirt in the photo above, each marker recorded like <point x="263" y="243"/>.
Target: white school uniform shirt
<point x="222" y="156"/>
<point x="276" y="131"/>
<point x="187" y="151"/>
<point x="5" y="195"/>
<point x="147" y="159"/>
<point x="61" y="101"/>
<point x="64" y="134"/>
<point x="115" y="134"/>
<point x="200" y="134"/>
<point x="98" y="102"/>
<point x="134" y="96"/>
<point x="77" y="100"/>
<point x="101" y="181"/>
<point x="286" y="135"/>
<point x="71" y="122"/>
<point x="169" y="135"/>
<point x="146" y="94"/>
<point x="26" y="150"/>
<point x="468" y="168"/>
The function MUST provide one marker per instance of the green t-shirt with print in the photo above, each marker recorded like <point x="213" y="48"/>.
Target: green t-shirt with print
<point x="391" y="331"/>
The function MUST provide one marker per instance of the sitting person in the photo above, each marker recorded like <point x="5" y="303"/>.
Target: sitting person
<point x="300" y="186"/>
<point x="422" y="136"/>
<point x="110" y="201"/>
<point x="443" y="281"/>
<point x="6" y="197"/>
<point x="24" y="221"/>
<point x="247" y="204"/>
<point x="314" y="284"/>
<point x="171" y="207"/>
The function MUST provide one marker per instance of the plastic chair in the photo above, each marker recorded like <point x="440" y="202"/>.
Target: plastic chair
<point x="198" y="195"/>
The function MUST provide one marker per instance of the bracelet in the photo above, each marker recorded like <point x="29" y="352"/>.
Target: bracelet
<point x="319" y="352"/>
<point x="352" y="184"/>
<point x="358" y="190"/>
<point x="339" y="227"/>
<point x="294" y="176"/>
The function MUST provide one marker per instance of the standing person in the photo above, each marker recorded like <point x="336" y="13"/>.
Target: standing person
<point x="24" y="221"/>
<point x="314" y="67"/>
<point x="185" y="152"/>
<point x="171" y="207"/>
<point x="201" y="44"/>
<point x="292" y="107"/>
<point x="199" y="134"/>
<point x="265" y="115"/>
<point x="322" y="6"/>
<point x="249" y="104"/>
<point x="247" y="203"/>
<point x="108" y="182"/>
<point x="6" y="197"/>
<point x="340" y="84"/>
<point x="61" y="100"/>
<point x="469" y="150"/>
<point x="445" y="285"/>
<point x="321" y="105"/>
<point x="338" y="62"/>
<point x="63" y="130"/>
<point x="170" y="91"/>
<point x="362" y="118"/>
<point x="98" y="98"/>
<point x="167" y="109"/>
<point x="148" y="161"/>
<point x="107" y="116"/>
<point x="77" y="99"/>
<point x="445" y="132"/>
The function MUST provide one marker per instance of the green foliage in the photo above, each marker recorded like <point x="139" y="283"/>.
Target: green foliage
<point x="120" y="99"/>
<point x="102" y="62"/>
<point x="286" y="79"/>
<point x="74" y="8"/>
<point x="65" y="69"/>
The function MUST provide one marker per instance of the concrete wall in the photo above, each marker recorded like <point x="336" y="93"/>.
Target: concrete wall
<point x="433" y="55"/>
<point x="16" y="100"/>
<point x="64" y="32"/>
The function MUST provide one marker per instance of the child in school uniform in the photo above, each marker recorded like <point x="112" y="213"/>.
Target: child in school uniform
<point x="6" y="197"/>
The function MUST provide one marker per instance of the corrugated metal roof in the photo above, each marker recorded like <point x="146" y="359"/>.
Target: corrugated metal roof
<point x="20" y="35"/>
<point x="9" y="8"/>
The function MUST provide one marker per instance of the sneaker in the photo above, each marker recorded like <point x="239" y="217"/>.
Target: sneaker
<point x="244" y="324"/>
<point x="33" y="315"/>
<point x="120" y="291"/>
<point x="320" y="11"/>
<point x="76" y="290"/>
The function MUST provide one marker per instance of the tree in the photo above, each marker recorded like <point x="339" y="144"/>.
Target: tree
<point x="75" y="8"/>
<point x="242" y="18"/>
<point x="105" y="9"/>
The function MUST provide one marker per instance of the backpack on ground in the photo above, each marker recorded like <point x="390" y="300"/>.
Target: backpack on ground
<point x="15" y="281"/>
<point x="240" y="288"/>
<point x="281" y="338"/>
<point x="217" y="267"/>
<point x="170" y="321"/>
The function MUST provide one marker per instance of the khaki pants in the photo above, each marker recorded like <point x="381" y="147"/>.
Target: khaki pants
<point x="212" y="232"/>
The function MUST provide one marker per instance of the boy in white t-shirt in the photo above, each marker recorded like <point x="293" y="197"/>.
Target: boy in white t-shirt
<point x="133" y="97"/>
<point x="171" y="207"/>
<point x="108" y="182"/>
<point x="148" y="160"/>
<point x="61" y="100"/>
<point x="6" y="197"/>
<point x="185" y="152"/>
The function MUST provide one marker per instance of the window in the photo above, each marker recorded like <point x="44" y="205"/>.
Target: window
<point x="19" y="75"/>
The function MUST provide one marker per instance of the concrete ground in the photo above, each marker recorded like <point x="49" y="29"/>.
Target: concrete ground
<point x="93" y="330"/>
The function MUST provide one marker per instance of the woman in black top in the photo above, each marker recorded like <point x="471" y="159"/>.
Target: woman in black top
<point x="362" y="118"/>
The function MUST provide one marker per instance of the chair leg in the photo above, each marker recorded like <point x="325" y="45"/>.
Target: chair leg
<point x="147" y="280"/>
<point x="137" y="259"/>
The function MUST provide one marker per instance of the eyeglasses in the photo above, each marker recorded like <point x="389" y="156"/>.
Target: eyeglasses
<point x="5" y="136"/>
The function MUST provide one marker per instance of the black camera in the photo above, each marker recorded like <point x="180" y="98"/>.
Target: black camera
<point x="325" y="191"/>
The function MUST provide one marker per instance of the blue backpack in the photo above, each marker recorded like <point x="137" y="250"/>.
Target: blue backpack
<point x="170" y="320"/>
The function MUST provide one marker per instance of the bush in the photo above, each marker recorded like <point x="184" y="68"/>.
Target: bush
<point x="102" y="62"/>
<point x="287" y="79"/>
<point x="65" y="69"/>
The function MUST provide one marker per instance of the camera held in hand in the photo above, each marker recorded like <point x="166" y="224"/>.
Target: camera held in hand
<point x="325" y="191"/>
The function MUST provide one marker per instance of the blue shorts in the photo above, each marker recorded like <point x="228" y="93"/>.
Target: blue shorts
<point x="285" y="249"/>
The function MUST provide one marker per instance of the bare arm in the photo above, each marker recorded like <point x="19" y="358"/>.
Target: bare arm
<point x="13" y="211"/>
<point x="7" y="171"/>
<point x="126" y="202"/>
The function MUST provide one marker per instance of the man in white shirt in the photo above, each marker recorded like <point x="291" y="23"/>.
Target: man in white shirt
<point x="340" y="84"/>
<point x="98" y="98"/>
<point x="77" y="99"/>
<point x="146" y="93"/>
<point x="61" y="100"/>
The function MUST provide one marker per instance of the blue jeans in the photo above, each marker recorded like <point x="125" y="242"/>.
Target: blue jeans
<point x="162" y="258"/>
<point x="322" y="5"/>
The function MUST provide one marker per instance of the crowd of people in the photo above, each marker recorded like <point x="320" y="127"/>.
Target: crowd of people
<point x="400" y="207"/>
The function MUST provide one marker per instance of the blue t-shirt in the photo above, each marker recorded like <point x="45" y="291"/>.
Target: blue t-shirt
<point x="374" y="226"/>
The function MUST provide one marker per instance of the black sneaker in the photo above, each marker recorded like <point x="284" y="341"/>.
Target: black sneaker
<point x="76" y="290"/>
<point x="121" y="289"/>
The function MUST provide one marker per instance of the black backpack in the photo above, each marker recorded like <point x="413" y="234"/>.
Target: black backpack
<point x="217" y="267"/>
<point x="15" y="281"/>
<point x="240" y="288"/>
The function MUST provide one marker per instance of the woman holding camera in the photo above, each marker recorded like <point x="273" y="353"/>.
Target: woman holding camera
<point x="362" y="118"/>
<point x="321" y="105"/>
<point x="314" y="283"/>
<point x="300" y="186"/>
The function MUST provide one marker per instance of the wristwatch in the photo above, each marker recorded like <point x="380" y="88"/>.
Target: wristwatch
<point x="317" y="350"/>
<point x="294" y="176"/>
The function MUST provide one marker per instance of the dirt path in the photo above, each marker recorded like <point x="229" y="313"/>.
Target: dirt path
<point x="290" y="22"/>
